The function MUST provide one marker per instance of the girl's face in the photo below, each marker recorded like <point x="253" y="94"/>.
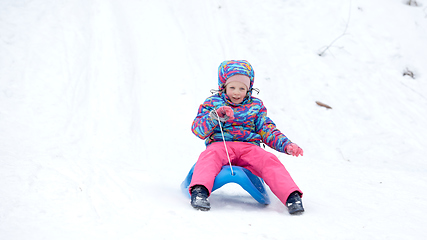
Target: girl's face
<point x="236" y="91"/>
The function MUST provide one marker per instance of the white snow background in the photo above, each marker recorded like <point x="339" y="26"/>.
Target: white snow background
<point x="97" y="98"/>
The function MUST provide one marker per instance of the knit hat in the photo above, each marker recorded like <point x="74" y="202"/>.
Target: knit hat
<point x="239" y="78"/>
<point x="230" y="68"/>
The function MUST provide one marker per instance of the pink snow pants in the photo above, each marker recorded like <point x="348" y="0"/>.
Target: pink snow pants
<point x="252" y="157"/>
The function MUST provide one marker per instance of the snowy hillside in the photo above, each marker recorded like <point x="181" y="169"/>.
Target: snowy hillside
<point x="97" y="98"/>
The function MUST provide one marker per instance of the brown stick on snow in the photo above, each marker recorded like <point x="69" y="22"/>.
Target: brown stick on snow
<point x="323" y="105"/>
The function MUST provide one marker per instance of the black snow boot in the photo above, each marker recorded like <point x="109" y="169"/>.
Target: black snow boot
<point x="294" y="203"/>
<point x="199" y="198"/>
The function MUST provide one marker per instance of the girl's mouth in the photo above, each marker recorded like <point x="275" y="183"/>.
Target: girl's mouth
<point x="235" y="99"/>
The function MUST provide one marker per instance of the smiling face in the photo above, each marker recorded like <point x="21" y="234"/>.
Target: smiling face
<point x="236" y="91"/>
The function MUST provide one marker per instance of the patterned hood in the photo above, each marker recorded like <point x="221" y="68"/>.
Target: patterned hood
<point x="233" y="67"/>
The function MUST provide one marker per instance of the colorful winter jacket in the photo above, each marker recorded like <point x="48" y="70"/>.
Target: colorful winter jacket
<point x="250" y="123"/>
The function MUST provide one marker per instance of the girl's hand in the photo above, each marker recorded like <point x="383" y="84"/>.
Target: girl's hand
<point x="294" y="150"/>
<point x="225" y="112"/>
<point x="222" y="114"/>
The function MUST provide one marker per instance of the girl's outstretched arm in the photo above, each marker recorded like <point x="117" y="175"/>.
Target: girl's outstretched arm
<point x="270" y="135"/>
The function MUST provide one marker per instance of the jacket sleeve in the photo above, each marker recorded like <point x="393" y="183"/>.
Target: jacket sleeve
<point x="203" y="125"/>
<point x="270" y="135"/>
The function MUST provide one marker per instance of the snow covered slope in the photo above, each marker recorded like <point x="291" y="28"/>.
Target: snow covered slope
<point x="97" y="98"/>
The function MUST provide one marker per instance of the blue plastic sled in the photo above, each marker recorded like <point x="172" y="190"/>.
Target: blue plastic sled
<point x="253" y="184"/>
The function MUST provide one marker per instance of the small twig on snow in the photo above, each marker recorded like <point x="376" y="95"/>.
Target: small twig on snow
<point x="344" y="33"/>
<point x="323" y="105"/>
<point x="412" y="2"/>
<point x="409" y="73"/>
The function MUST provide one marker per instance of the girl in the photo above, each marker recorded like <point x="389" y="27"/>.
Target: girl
<point x="245" y="126"/>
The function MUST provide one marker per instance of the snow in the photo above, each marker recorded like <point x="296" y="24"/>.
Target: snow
<point x="97" y="98"/>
